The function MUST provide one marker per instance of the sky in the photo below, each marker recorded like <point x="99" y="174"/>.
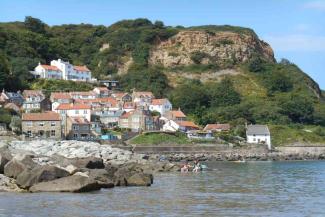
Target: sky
<point x="294" y="28"/>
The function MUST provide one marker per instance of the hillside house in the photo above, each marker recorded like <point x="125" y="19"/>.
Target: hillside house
<point x="183" y="126"/>
<point x="58" y="98"/>
<point x="59" y="69"/>
<point x="258" y="134"/>
<point x="122" y="97"/>
<point x="41" y="125"/>
<point x="35" y="100"/>
<point x="78" y="128"/>
<point x="175" y="115"/>
<point x="128" y="106"/>
<point x="137" y="120"/>
<point x="160" y="105"/>
<point x="11" y="97"/>
<point x="74" y="110"/>
<point x="83" y="95"/>
<point x="101" y="92"/>
<point x="142" y="98"/>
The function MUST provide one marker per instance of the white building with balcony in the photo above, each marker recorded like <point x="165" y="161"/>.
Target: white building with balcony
<point x="60" y="69"/>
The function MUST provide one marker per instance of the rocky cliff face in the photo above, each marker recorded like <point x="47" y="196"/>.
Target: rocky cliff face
<point x="201" y="47"/>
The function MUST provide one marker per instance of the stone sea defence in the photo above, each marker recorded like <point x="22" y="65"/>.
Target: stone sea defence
<point x="72" y="166"/>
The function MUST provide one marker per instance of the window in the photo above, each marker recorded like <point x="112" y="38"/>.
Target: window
<point x="41" y="124"/>
<point x="254" y="140"/>
<point x="77" y="112"/>
<point x="29" y="133"/>
<point x="75" y="135"/>
<point x="85" y="112"/>
<point x="53" y="124"/>
<point x="52" y="132"/>
<point x="75" y="127"/>
<point x="29" y="123"/>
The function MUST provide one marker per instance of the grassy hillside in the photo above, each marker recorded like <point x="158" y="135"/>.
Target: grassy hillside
<point x="259" y="92"/>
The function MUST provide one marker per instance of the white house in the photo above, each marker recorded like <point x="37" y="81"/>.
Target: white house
<point x="258" y="134"/>
<point x="160" y="105"/>
<point x="63" y="70"/>
<point x="183" y="126"/>
<point x="74" y="110"/>
<point x="142" y="98"/>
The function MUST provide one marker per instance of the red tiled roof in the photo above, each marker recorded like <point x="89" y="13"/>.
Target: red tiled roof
<point x="79" y="120"/>
<point x="81" y="68"/>
<point x="52" y="68"/>
<point x="158" y="101"/>
<point x="47" y="116"/>
<point x="101" y="88"/>
<point x="57" y="95"/>
<point x="178" y="114"/>
<point x="217" y="127"/>
<point x="28" y="93"/>
<point x="97" y="100"/>
<point x="187" y="124"/>
<point x="83" y="93"/>
<point x="70" y="106"/>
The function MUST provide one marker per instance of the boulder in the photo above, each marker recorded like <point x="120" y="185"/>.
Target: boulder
<point x="18" y="164"/>
<point x="28" y="178"/>
<point x="132" y="175"/>
<point x="71" y="169"/>
<point x="8" y="184"/>
<point x="74" y="183"/>
<point x="140" y="179"/>
<point x="104" y="179"/>
<point x="5" y="157"/>
<point x="88" y="162"/>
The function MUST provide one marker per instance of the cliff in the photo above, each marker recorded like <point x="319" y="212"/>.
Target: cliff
<point x="203" y="47"/>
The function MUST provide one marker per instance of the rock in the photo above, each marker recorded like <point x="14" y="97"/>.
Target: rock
<point x="74" y="183"/>
<point x="71" y="169"/>
<point x="5" y="157"/>
<point x="140" y="179"/>
<point x="8" y="184"/>
<point x="18" y="164"/>
<point x="88" y="162"/>
<point x="28" y="178"/>
<point x="102" y="176"/>
<point x="123" y="175"/>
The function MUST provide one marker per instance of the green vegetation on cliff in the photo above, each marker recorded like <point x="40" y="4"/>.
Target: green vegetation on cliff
<point x="262" y="91"/>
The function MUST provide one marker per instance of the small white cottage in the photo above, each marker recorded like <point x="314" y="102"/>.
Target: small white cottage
<point x="258" y="134"/>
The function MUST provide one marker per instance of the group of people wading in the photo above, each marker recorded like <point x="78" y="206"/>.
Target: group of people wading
<point x="196" y="167"/>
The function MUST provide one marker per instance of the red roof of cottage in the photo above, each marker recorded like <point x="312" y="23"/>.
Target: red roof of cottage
<point x="158" y="101"/>
<point x="57" y="95"/>
<point x="29" y="93"/>
<point x="52" y="68"/>
<point x="70" y="106"/>
<point x="81" y="68"/>
<point x="46" y="116"/>
<point x="187" y="124"/>
<point x="101" y="88"/>
<point x="178" y="114"/>
<point x="129" y="105"/>
<point x="83" y="93"/>
<point x="105" y="100"/>
<point x="217" y="127"/>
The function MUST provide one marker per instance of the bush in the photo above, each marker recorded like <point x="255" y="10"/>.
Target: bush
<point x="198" y="56"/>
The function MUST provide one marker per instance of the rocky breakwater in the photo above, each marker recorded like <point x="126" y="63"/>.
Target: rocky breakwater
<point x="72" y="166"/>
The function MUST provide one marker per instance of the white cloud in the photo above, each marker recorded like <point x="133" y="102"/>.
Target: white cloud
<point x="296" y="42"/>
<point x="316" y="5"/>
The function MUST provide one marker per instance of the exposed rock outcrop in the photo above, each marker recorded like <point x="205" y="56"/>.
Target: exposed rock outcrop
<point x="75" y="183"/>
<point x="216" y="47"/>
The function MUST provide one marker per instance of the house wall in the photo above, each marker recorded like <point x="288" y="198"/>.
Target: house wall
<point x="35" y="128"/>
<point x="258" y="139"/>
<point x="77" y="131"/>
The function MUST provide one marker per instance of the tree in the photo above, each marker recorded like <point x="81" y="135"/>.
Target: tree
<point x="4" y="71"/>
<point x="35" y="25"/>
<point x="298" y="108"/>
<point x="256" y="64"/>
<point x="224" y="94"/>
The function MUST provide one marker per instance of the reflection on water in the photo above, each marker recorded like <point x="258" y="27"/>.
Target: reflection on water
<point x="230" y="189"/>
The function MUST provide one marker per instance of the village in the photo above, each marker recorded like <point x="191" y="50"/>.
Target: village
<point x="104" y="113"/>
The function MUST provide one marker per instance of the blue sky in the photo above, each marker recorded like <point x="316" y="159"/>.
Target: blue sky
<point x="294" y="28"/>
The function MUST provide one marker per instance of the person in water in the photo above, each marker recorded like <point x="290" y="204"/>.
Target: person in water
<point x="185" y="168"/>
<point x="197" y="166"/>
